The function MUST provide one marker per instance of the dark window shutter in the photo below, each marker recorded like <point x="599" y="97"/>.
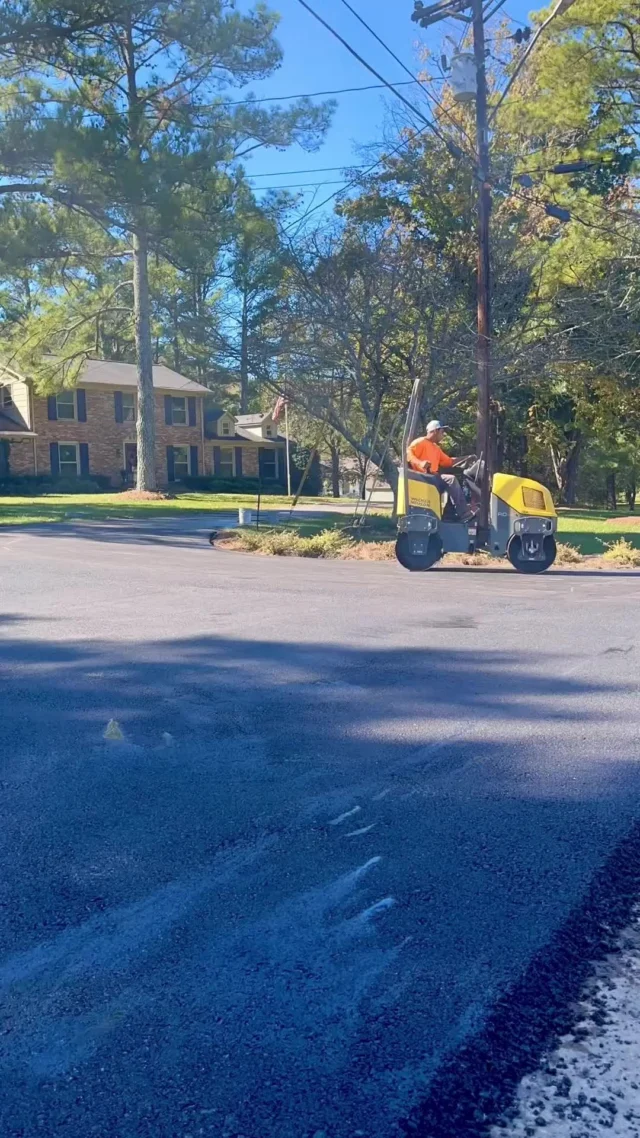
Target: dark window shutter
<point x="84" y="459"/>
<point x="191" y="407"/>
<point x="216" y="460"/>
<point x="81" y="404"/>
<point x="170" y="469"/>
<point x="52" y="407"/>
<point x="5" y="464"/>
<point x="168" y="410"/>
<point x="238" y="462"/>
<point x="193" y="462"/>
<point x="55" y="458"/>
<point x="117" y="406"/>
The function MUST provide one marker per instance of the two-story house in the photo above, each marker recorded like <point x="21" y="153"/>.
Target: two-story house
<point x="90" y="430"/>
<point x="245" y="446"/>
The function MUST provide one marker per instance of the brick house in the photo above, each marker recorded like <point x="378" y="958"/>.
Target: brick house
<point x="91" y="430"/>
<point x="245" y="446"/>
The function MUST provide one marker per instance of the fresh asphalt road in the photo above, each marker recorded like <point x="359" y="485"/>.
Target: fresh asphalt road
<point x="350" y="806"/>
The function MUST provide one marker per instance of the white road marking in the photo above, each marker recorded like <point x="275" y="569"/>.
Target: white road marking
<point x="357" y="833"/>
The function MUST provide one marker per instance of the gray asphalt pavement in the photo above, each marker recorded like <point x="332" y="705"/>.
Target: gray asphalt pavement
<point x="350" y="806"/>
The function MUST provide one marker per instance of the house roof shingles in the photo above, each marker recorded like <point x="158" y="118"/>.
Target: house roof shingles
<point x="11" y="427"/>
<point x="111" y="374"/>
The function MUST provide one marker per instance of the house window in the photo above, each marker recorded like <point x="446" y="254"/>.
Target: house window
<point x="128" y="407"/>
<point x="268" y="432"/>
<point x="66" y="404"/>
<point x="179" y="412"/>
<point x="268" y="464"/>
<point x="227" y="465"/>
<point x="226" y="428"/>
<point x="180" y="463"/>
<point x="68" y="459"/>
<point x="7" y="398"/>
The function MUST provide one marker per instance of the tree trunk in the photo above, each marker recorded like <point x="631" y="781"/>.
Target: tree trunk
<point x="500" y="439"/>
<point x="630" y="493"/>
<point x="565" y="469"/>
<point x="146" y="422"/>
<point x="390" y="471"/>
<point x="335" y="470"/>
<point x="244" y="358"/>
<point x="177" y="355"/>
<point x="571" y="472"/>
<point x="612" y="493"/>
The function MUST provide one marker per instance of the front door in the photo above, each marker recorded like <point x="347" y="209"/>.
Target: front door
<point x="130" y="462"/>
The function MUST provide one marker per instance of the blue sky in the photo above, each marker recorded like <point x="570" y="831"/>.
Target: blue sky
<point x="315" y="61"/>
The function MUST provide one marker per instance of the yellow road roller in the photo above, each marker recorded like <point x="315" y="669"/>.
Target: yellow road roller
<point x="522" y="520"/>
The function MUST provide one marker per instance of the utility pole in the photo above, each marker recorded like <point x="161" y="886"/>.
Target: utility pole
<point x="483" y="337"/>
<point x="425" y="16"/>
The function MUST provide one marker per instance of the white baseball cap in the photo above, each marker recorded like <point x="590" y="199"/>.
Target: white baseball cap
<point x="436" y="425"/>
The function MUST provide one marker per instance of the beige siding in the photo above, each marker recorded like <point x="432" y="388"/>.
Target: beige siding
<point x="20" y="411"/>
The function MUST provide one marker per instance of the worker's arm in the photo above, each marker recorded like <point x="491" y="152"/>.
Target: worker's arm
<point x="413" y="457"/>
<point x="446" y="461"/>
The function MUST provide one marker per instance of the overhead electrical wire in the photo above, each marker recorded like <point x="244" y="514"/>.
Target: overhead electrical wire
<point x="498" y="5"/>
<point x="354" y="181"/>
<point x="404" y="67"/>
<point x="313" y="170"/>
<point x="308" y="94"/>
<point x="452" y="147"/>
<point x="195" y="107"/>
<point x="300" y="185"/>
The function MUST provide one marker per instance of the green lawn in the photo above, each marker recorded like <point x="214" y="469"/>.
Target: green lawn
<point x="590" y="530"/>
<point x="64" y="507"/>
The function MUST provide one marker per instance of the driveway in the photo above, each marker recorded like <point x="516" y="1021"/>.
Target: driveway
<point x="351" y="809"/>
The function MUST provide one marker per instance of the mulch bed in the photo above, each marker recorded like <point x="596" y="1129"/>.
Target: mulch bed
<point x="143" y="496"/>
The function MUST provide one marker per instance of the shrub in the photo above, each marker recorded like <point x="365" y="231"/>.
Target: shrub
<point x="32" y="486"/>
<point x="287" y="543"/>
<point x="622" y="552"/>
<point x="568" y="554"/>
<point x="214" y="485"/>
<point x="370" y="551"/>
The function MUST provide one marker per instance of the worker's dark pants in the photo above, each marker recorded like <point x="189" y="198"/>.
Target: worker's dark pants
<point x="449" y="483"/>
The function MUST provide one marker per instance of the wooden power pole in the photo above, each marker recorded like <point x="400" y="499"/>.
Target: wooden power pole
<point x="425" y="16"/>
<point x="483" y="337"/>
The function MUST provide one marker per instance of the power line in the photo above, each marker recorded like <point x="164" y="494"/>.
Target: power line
<point x="312" y="170"/>
<point x="404" y="67"/>
<point x="308" y="95"/>
<point x="455" y="150"/>
<point x="489" y="15"/>
<point x="299" y="185"/>
<point x="354" y="181"/>
<point x="195" y="107"/>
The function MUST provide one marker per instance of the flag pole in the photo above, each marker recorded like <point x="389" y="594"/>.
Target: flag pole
<point x="286" y="435"/>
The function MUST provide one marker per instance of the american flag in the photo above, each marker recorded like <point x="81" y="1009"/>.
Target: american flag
<point x="281" y="403"/>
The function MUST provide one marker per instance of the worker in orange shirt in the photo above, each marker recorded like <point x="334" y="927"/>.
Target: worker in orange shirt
<point x="427" y="457"/>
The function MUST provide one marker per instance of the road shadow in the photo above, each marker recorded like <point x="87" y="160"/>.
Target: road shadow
<point x="178" y="535"/>
<point x="297" y="884"/>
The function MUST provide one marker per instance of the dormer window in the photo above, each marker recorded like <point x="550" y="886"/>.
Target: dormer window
<point x="268" y="432"/>
<point x="226" y="427"/>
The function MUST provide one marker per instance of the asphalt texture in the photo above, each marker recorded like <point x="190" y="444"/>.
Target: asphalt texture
<point x="352" y="806"/>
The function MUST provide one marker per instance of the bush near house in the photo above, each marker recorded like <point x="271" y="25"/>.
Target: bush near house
<point x="210" y="484"/>
<point x="34" y="486"/>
